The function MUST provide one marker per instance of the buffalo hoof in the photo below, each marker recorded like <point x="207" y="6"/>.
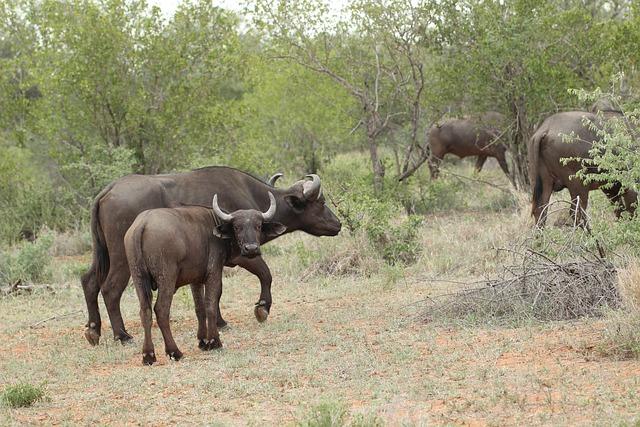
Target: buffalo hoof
<point x="92" y="335"/>
<point x="261" y="313"/>
<point x="175" y="355"/>
<point x="211" y="344"/>
<point x="221" y="323"/>
<point x="202" y="344"/>
<point x="124" y="339"/>
<point x="148" y="358"/>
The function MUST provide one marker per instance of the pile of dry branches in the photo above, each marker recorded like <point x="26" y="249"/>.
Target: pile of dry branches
<point x="552" y="276"/>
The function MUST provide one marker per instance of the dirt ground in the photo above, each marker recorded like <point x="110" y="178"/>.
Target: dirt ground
<point x="338" y="340"/>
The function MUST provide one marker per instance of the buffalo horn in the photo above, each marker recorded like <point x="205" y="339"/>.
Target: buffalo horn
<point x="225" y="217"/>
<point x="274" y="178"/>
<point x="311" y="189"/>
<point x="268" y="215"/>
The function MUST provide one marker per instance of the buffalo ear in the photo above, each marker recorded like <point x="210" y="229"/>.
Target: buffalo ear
<point x="223" y="231"/>
<point x="297" y="204"/>
<point x="273" y="229"/>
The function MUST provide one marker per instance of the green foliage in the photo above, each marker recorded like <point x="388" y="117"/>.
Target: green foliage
<point x="425" y="195"/>
<point x="392" y="235"/>
<point x="615" y="153"/>
<point x="27" y="197"/>
<point x="22" y="395"/>
<point x="28" y="262"/>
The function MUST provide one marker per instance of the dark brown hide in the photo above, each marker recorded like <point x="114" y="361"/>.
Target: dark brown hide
<point x="468" y="137"/>
<point x="116" y="207"/>
<point x="548" y="174"/>
<point x="169" y="248"/>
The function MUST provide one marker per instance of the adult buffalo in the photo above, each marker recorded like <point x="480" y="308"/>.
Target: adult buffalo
<point x="300" y="207"/>
<point x="568" y="135"/>
<point x="468" y="137"/>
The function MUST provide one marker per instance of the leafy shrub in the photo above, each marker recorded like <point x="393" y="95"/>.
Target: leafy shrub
<point x="425" y="195"/>
<point x="398" y="243"/>
<point x="392" y="234"/>
<point x="22" y="395"/>
<point x="28" y="262"/>
<point x="26" y="195"/>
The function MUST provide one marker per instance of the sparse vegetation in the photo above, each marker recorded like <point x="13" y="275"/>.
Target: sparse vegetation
<point x="622" y="327"/>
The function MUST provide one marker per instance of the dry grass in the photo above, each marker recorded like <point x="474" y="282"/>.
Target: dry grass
<point x="339" y="338"/>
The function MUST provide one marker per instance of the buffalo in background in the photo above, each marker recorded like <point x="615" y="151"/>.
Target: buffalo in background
<point x="468" y="137"/>
<point x="566" y="135"/>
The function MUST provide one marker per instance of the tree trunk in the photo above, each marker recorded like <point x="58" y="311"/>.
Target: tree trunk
<point x="376" y="165"/>
<point x="519" y="169"/>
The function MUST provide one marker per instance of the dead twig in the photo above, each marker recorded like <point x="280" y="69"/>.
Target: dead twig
<point x="55" y="317"/>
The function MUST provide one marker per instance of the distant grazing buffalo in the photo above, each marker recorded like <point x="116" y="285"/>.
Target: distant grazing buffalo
<point x="549" y="144"/>
<point x="300" y="207"/>
<point x="468" y="137"/>
<point x="168" y="248"/>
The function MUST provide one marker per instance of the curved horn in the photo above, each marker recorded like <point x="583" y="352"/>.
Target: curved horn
<point x="225" y="217"/>
<point x="268" y="215"/>
<point x="311" y="189"/>
<point x="274" y="178"/>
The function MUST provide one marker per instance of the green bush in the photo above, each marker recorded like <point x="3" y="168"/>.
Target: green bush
<point x="425" y="195"/>
<point x="26" y="195"/>
<point x="392" y="234"/>
<point x="28" y="262"/>
<point x="22" y="395"/>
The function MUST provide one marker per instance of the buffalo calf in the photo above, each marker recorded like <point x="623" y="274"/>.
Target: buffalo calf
<point x="170" y="247"/>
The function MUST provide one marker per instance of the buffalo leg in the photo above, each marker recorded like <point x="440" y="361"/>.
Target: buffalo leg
<point x="480" y="163"/>
<point x="148" y="351"/>
<point x="91" y="289"/>
<point x="502" y="161"/>
<point x="260" y="268"/>
<point x="112" y="290"/>
<point x="166" y="289"/>
<point x="541" y="200"/>
<point x="197" y="291"/>
<point x="621" y="200"/>
<point x="212" y="293"/>
<point x="630" y="200"/>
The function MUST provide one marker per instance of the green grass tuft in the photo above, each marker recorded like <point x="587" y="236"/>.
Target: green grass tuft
<point x="327" y="414"/>
<point x="22" y="395"/>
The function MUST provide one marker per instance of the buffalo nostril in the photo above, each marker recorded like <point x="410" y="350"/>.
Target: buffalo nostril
<point x="250" y="247"/>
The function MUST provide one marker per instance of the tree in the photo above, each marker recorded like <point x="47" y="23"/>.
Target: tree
<point x="520" y="58"/>
<point x="125" y="91"/>
<point x="374" y="54"/>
